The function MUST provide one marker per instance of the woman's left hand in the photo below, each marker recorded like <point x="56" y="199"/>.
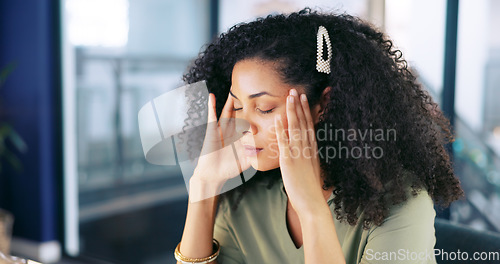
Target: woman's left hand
<point x="299" y="161"/>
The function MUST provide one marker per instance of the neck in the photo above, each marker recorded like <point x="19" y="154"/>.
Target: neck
<point x="327" y="192"/>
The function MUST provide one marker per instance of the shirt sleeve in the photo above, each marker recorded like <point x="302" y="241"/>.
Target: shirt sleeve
<point x="229" y="249"/>
<point x="406" y="236"/>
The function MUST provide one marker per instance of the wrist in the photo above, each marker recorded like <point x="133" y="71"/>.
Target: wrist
<point x="201" y="189"/>
<point x="313" y="213"/>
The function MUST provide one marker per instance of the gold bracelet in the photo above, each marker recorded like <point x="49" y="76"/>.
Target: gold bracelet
<point x="186" y="260"/>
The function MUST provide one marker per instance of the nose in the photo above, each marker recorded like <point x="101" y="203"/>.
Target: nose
<point x="249" y="125"/>
<point x="251" y="129"/>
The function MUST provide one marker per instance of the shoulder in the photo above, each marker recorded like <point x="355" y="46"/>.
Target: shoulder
<point x="414" y="217"/>
<point x="419" y="205"/>
<point x="407" y="233"/>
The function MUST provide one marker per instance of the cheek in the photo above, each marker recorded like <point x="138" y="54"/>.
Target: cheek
<point x="237" y="114"/>
<point x="270" y="130"/>
<point x="284" y="120"/>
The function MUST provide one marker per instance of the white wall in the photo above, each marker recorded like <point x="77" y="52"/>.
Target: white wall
<point x="235" y="11"/>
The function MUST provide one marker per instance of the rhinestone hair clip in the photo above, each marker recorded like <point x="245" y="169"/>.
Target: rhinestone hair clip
<point x="323" y="65"/>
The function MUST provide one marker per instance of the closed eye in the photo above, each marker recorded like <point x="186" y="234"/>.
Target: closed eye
<point x="266" y="111"/>
<point x="261" y="111"/>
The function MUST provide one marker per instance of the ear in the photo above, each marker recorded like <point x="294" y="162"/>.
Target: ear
<point x="318" y="109"/>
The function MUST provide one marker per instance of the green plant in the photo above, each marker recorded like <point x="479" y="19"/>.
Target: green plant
<point x="7" y="132"/>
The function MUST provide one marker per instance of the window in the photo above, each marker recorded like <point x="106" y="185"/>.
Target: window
<point x="418" y="29"/>
<point x="477" y="147"/>
<point x="118" y="55"/>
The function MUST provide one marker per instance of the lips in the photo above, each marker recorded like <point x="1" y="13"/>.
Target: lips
<point x="251" y="151"/>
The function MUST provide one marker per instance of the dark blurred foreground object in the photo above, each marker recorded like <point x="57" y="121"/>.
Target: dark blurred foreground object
<point x="9" y="141"/>
<point x="456" y="242"/>
<point x="6" y="220"/>
<point x="9" y="138"/>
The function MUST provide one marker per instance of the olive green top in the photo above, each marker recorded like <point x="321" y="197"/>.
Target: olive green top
<point x="256" y="233"/>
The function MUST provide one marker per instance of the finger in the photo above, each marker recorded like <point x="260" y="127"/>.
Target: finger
<point x="226" y="120"/>
<point x="301" y="118"/>
<point x="212" y="134"/>
<point x="281" y="137"/>
<point x="293" y="124"/>
<point x="308" y="118"/>
<point x="212" y="116"/>
<point x="311" y="132"/>
<point x="228" y="109"/>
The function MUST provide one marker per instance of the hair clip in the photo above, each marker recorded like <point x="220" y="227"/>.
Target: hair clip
<point x="321" y="64"/>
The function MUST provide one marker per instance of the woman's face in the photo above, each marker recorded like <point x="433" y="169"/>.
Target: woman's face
<point x="259" y="95"/>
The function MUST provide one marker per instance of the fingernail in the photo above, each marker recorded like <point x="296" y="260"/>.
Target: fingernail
<point x="303" y="97"/>
<point x="293" y="92"/>
<point x="290" y="98"/>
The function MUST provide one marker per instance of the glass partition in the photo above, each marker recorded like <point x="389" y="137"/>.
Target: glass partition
<point x="118" y="55"/>
<point x="477" y="148"/>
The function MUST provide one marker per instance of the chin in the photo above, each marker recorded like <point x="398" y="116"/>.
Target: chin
<point x="264" y="165"/>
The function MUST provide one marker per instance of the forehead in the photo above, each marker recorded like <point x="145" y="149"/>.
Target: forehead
<point x="253" y="76"/>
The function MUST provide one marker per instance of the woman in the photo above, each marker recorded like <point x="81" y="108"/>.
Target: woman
<point x="348" y="148"/>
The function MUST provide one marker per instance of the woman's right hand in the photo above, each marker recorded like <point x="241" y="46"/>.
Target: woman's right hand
<point x="222" y="156"/>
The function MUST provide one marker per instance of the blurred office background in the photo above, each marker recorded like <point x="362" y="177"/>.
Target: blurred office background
<point x="84" y="68"/>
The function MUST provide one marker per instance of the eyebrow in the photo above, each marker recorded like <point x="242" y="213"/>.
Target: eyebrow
<point x="253" y="95"/>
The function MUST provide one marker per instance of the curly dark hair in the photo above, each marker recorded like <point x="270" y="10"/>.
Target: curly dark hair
<point x="371" y="87"/>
